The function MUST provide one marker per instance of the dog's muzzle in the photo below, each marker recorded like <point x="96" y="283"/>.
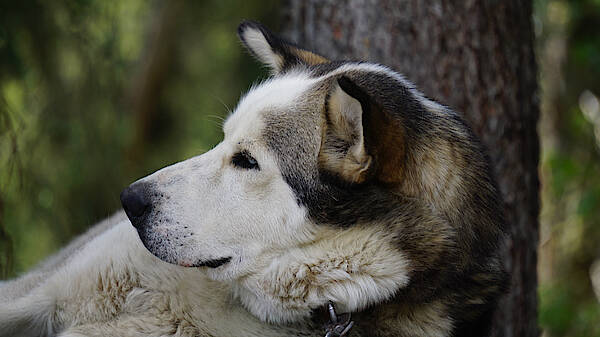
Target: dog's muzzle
<point x="136" y="203"/>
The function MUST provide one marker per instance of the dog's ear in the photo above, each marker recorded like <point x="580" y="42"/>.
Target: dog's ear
<point x="360" y="140"/>
<point x="343" y="148"/>
<point x="273" y="51"/>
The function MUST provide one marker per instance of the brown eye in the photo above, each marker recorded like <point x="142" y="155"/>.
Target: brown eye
<point x="244" y="160"/>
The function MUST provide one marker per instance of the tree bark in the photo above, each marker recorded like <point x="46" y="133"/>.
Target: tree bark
<point x="477" y="57"/>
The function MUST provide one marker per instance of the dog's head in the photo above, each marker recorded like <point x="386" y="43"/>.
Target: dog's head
<point x="295" y="206"/>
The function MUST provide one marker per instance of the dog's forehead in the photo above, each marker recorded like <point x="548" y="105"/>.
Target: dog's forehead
<point x="279" y="95"/>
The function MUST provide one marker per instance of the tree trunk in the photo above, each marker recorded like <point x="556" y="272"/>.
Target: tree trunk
<point x="477" y="57"/>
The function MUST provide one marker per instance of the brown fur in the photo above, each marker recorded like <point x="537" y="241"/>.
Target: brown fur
<point x="422" y="175"/>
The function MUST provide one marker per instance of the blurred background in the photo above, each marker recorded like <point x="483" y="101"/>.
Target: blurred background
<point x="96" y="94"/>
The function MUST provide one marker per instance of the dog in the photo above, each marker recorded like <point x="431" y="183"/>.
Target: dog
<point x="336" y="182"/>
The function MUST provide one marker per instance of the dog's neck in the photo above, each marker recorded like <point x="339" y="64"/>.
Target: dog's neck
<point x="352" y="268"/>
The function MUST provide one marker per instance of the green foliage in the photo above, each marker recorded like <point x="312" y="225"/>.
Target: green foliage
<point x="569" y="54"/>
<point x="563" y="312"/>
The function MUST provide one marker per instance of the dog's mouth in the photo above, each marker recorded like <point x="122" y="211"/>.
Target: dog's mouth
<point x="212" y="263"/>
<point x="163" y="253"/>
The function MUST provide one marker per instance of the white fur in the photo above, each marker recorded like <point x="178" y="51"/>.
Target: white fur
<point x="257" y="42"/>
<point x="353" y="268"/>
<point x="274" y="94"/>
<point x="282" y="265"/>
<point x="115" y="287"/>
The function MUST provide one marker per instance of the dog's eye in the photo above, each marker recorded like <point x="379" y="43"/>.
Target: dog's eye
<point x="244" y="160"/>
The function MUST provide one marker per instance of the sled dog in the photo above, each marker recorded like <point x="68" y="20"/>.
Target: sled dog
<point x="336" y="181"/>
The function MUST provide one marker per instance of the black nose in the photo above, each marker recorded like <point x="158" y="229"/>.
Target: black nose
<point x="136" y="202"/>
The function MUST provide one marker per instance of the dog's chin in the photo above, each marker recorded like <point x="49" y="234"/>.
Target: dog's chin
<point x="212" y="263"/>
<point x="167" y="254"/>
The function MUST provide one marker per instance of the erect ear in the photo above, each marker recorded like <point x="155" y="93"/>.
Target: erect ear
<point x="343" y="148"/>
<point x="273" y="51"/>
<point x="360" y="140"/>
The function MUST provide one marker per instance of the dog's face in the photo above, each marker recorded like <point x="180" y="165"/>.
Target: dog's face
<point x="277" y="206"/>
<point x="230" y="206"/>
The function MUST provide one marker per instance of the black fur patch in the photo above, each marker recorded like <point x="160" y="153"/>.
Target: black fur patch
<point x="213" y="263"/>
